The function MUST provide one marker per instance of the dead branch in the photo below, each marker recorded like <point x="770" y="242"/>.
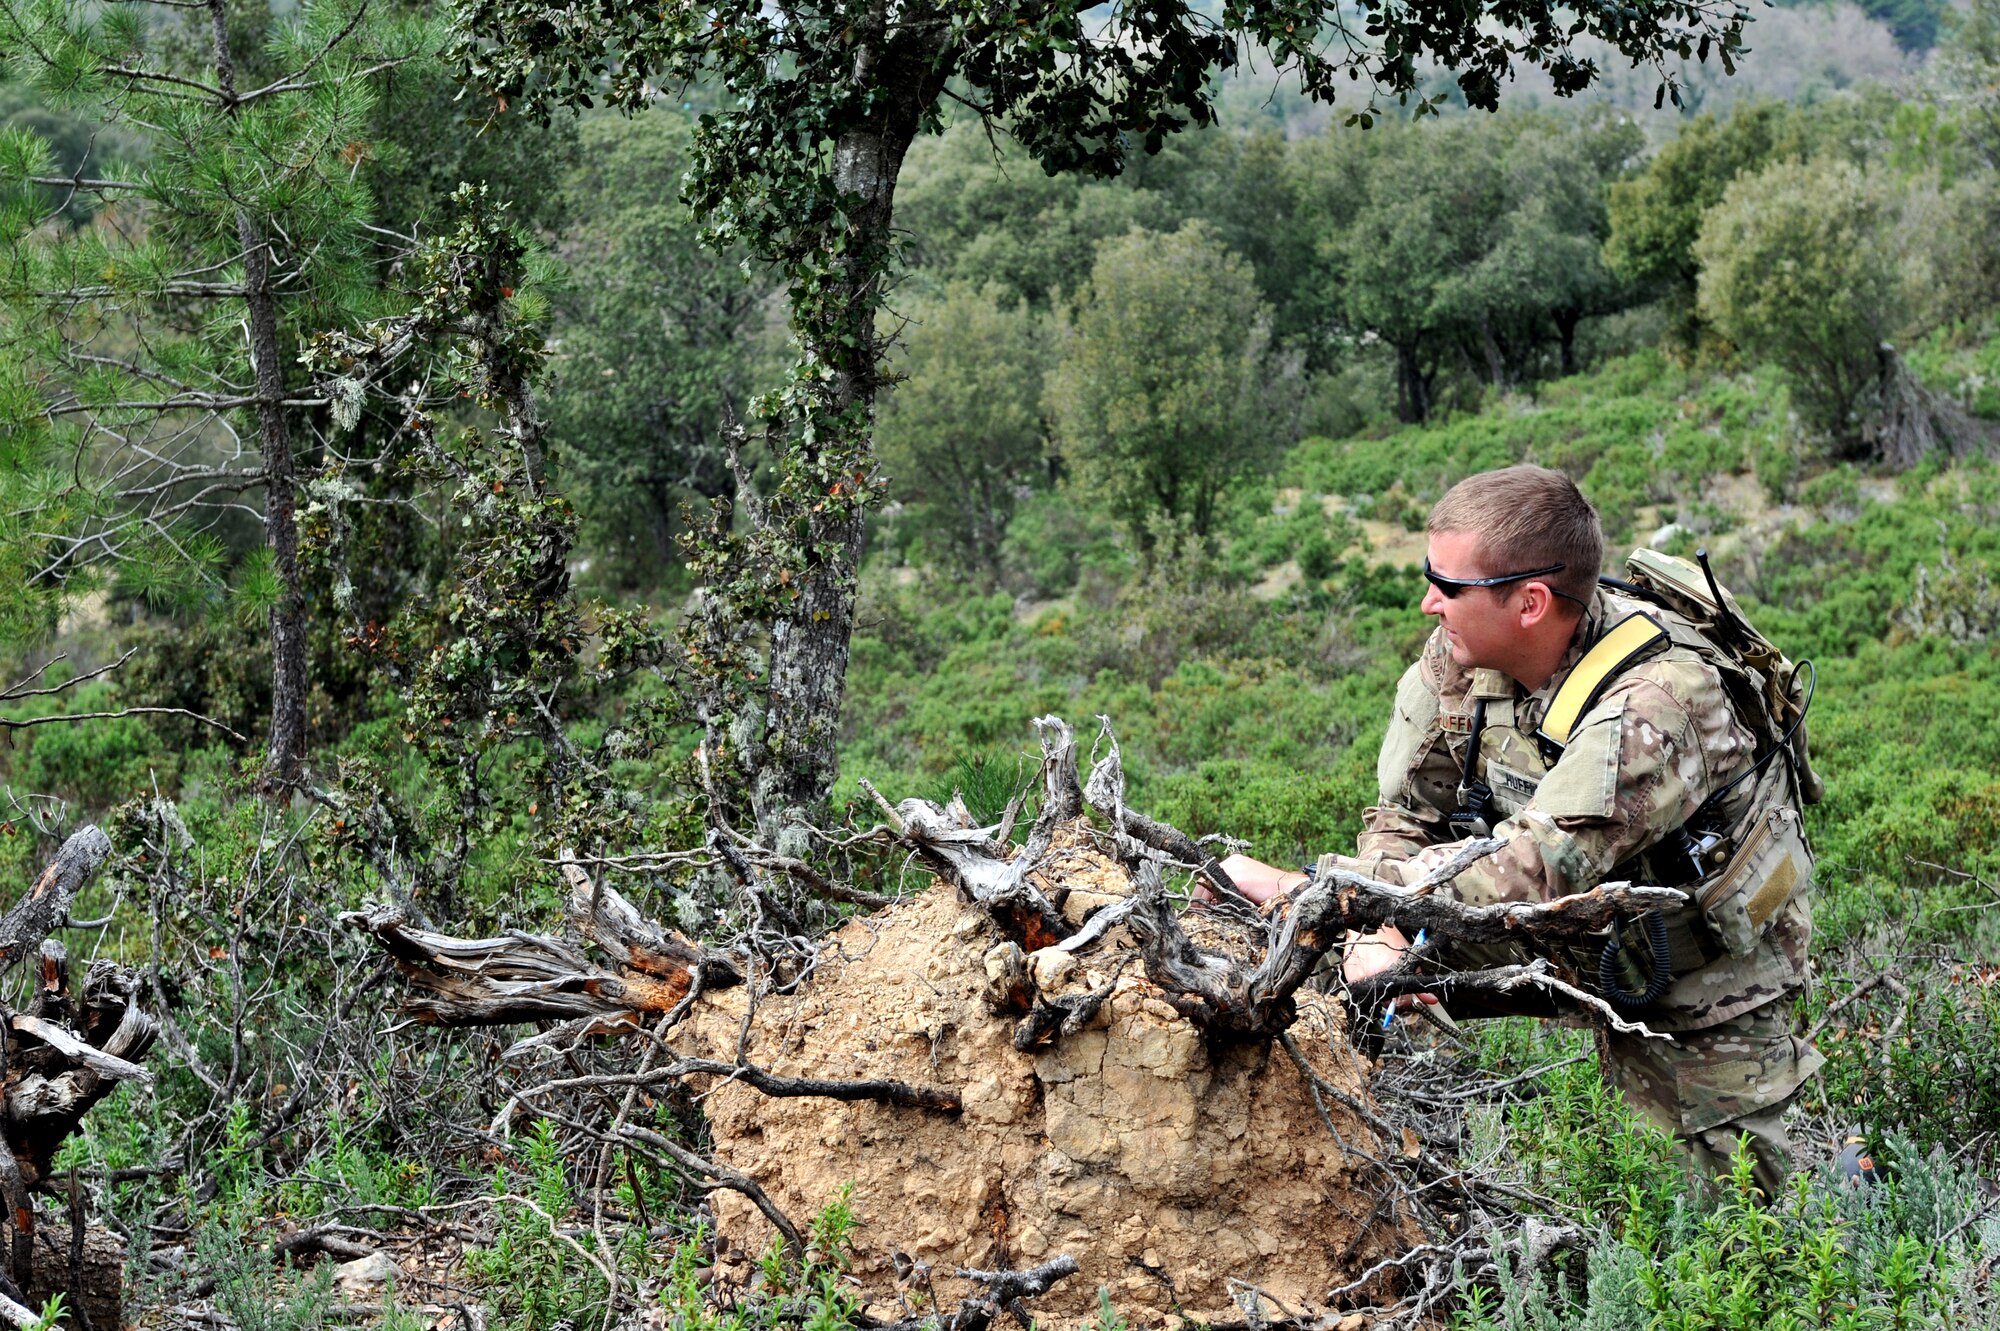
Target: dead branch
<point x="21" y="688"/>
<point x="331" y="1240"/>
<point x="1373" y="993"/>
<point x="501" y="981"/>
<point x="652" y="970"/>
<point x="1004" y="1291"/>
<point x="1106" y="792"/>
<point x="1244" y="997"/>
<point x="631" y="940"/>
<point x="527" y="977"/>
<point x="16" y="1313"/>
<point x="47" y="904"/>
<point x="63" y="718"/>
<point x="981" y="867"/>
<point x="1257" y="1001"/>
<point x="724" y="1177"/>
<point x="884" y="1091"/>
<point x="1879" y="980"/>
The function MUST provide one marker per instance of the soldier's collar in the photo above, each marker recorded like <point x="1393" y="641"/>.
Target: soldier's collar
<point x="1588" y="630"/>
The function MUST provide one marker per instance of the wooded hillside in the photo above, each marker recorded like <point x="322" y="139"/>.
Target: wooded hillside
<point x="557" y="568"/>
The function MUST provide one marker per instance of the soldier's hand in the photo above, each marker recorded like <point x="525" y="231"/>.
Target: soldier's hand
<point x="1256" y="880"/>
<point x="1372" y="954"/>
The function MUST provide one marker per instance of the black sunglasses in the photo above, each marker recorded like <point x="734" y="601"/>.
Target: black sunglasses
<point x="1451" y="587"/>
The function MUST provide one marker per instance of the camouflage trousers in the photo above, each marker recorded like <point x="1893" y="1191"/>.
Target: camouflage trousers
<point x="1721" y="1089"/>
<point x="1709" y="1089"/>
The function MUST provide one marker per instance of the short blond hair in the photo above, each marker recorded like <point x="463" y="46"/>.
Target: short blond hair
<point x="1527" y="517"/>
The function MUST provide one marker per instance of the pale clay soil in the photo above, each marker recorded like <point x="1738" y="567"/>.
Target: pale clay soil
<point x="1188" y="1181"/>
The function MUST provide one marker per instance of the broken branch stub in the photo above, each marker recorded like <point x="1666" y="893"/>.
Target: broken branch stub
<point x="69" y="1051"/>
<point x="980" y="867"/>
<point x="524" y="977"/>
<point x="46" y="907"/>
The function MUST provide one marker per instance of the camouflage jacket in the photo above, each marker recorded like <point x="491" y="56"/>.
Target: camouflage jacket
<point x="1658" y="741"/>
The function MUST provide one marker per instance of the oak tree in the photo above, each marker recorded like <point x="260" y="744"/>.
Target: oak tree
<point x="962" y="437"/>
<point x="821" y="101"/>
<point x="1167" y="388"/>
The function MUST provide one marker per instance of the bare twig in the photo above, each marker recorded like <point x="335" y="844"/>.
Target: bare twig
<point x="58" y="718"/>
<point x="16" y="691"/>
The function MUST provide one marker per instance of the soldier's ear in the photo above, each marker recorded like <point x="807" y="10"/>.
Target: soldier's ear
<point x="1537" y="603"/>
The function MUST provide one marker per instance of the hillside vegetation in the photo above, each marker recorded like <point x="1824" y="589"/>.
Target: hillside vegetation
<point x="1160" y="450"/>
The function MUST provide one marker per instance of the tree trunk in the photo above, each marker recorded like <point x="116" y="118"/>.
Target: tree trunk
<point x="286" y="750"/>
<point x="286" y="747"/>
<point x="87" y="1269"/>
<point x="1413" y="399"/>
<point x="1901" y="422"/>
<point x="1566" y="322"/>
<point x="809" y="645"/>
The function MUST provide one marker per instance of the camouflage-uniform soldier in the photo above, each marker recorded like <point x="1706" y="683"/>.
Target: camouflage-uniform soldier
<point x="1513" y="563"/>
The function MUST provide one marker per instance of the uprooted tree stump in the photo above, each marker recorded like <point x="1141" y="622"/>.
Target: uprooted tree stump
<point x="1040" y="1059"/>
<point x="1183" y="1174"/>
<point x="66" y="1051"/>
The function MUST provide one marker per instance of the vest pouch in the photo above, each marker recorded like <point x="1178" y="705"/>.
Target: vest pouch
<point x="1770" y="866"/>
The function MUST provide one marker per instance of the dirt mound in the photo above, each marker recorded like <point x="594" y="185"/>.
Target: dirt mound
<point x="1187" y="1180"/>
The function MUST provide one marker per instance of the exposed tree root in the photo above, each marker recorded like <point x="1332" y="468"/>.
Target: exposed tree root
<point x="1233" y="971"/>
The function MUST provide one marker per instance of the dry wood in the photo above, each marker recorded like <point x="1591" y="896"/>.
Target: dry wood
<point x="522" y="977"/>
<point x="980" y="866"/>
<point x="47" y="904"/>
<point x="1000" y="1292"/>
<point x="1251" y="997"/>
<point x="57" y="1060"/>
<point x="1006" y="1290"/>
<point x="724" y="1177"/>
<point x="515" y="978"/>
<point x="108" y="1066"/>
<point x="1106" y="792"/>
<point x="634" y="942"/>
<point x="887" y="1092"/>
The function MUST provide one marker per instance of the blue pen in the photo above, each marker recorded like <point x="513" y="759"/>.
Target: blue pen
<point x="1389" y="1017"/>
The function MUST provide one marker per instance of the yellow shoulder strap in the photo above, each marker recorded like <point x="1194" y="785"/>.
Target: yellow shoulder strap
<point x="1631" y="638"/>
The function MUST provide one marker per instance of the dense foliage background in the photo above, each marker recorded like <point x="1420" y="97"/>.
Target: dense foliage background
<point x="1159" y="448"/>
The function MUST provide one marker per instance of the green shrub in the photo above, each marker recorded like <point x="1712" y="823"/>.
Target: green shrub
<point x="1918" y="1055"/>
<point x="536" y="1278"/>
<point x="1892" y="1257"/>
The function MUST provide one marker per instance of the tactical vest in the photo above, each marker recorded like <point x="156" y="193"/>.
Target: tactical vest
<point x="1742" y="868"/>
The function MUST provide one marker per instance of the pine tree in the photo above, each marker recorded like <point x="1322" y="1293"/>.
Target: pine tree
<point x="149" y="369"/>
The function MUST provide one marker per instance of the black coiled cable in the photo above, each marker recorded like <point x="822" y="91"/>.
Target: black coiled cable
<point x="1663" y="965"/>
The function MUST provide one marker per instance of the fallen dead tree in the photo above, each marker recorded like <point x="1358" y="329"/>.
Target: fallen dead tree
<point x="1049" y="1059"/>
<point x="1249" y="995"/>
<point x="67" y="1050"/>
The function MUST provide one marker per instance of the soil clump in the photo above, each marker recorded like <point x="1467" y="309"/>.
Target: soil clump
<point x="1190" y="1179"/>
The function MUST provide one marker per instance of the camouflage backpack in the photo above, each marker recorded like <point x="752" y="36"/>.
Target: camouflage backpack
<point x="1763" y="684"/>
